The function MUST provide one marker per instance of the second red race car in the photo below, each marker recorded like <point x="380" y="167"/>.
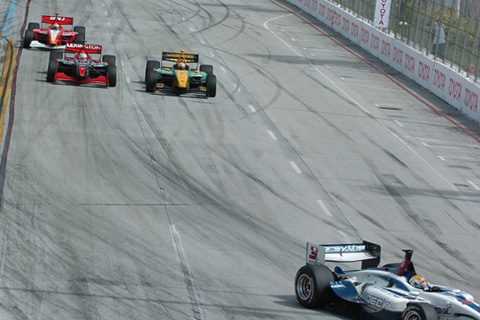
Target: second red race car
<point x="76" y="65"/>
<point x="53" y="36"/>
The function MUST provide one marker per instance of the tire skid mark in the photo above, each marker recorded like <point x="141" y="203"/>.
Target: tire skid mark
<point x="182" y="20"/>
<point x="214" y="24"/>
<point x="380" y="71"/>
<point x="179" y="178"/>
<point x="257" y="181"/>
<point x="390" y="183"/>
<point x="203" y="195"/>
<point x="270" y="124"/>
<point x="407" y="90"/>
<point x="272" y="78"/>
<point x="77" y="287"/>
<point x="125" y="21"/>
<point x="226" y="16"/>
<point x="188" y="276"/>
<point x="85" y="15"/>
<point x="119" y="31"/>
<point x="452" y="272"/>
<point x="151" y="295"/>
<point x="281" y="89"/>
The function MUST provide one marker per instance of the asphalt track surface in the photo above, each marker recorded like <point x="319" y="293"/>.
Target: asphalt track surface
<point x="121" y="204"/>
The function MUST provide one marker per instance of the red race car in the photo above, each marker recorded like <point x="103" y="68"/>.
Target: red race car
<point x="76" y="65"/>
<point x="54" y="36"/>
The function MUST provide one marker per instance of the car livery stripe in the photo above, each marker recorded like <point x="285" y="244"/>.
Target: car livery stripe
<point x="402" y="294"/>
<point x="468" y="303"/>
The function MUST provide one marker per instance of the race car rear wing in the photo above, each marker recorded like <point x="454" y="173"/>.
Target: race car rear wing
<point x="90" y="48"/>
<point x="367" y="252"/>
<point x="174" y="56"/>
<point x="60" y="20"/>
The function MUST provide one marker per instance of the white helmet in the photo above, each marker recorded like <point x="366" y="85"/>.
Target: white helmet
<point x="418" y="282"/>
<point x="83" y="56"/>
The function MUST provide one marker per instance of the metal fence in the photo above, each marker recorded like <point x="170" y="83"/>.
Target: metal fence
<point x="447" y="30"/>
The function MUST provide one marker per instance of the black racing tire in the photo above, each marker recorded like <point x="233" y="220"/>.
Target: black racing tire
<point x="419" y="311"/>
<point x="110" y="59"/>
<point x="207" y="68"/>
<point x="28" y="38"/>
<point x="211" y="85"/>
<point x="52" y="70"/>
<point x="56" y="55"/>
<point x="33" y="25"/>
<point x="112" y="75"/>
<point x="80" y="37"/>
<point x="312" y="286"/>
<point x="151" y="64"/>
<point x="151" y="80"/>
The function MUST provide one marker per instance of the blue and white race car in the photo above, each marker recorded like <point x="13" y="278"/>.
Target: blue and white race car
<point x="394" y="291"/>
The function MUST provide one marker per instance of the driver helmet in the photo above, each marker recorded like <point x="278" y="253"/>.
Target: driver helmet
<point x="418" y="282"/>
<point x="83" y="56"/>
<point x="181" y="66"/>
<point x="56" y="26"/>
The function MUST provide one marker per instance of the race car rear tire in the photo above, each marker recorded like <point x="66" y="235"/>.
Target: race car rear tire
<point x="312" y="286"/>
<point x="55" y="55"/>
<point x="207" y="68"/>
<point x="419" y="311"/>
<point x="52" y="70"/>
<point x="80" y="37"/>
<point x="110" y="59"/>
<point x="151" y="64"/>
<point x="33" y="25"/>
<point x="151" y="80"/>
<point x="211" y="85"/>
<point x="112" y="75"/>
<point x="28" y="38"/>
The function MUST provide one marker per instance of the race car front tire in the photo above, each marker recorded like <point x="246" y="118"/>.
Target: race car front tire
<point x="110" y="59"/>
<point x="28" y="38"/>
<point x="80" y="37"/>
<point x="151" y="64"/>
<point x="207" y="68"/>
<point x="56" y="55"/>
<point x="151" y="80"/>
<point x="312" y="286"/>
<point x="419" y="311"/>
<point x="211" y="85"/>
<point x="52" y="70"/>
<point x="112" y="75"/>
<point x="33" y="25"/>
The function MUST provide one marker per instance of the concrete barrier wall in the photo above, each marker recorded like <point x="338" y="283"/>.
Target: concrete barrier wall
<point x="452" y="87"/>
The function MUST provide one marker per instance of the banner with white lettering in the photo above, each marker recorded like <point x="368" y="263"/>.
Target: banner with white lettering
<point x="382" y="13"/>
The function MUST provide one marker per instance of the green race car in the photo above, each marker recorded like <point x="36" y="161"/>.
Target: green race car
<point x="181" y="76"/>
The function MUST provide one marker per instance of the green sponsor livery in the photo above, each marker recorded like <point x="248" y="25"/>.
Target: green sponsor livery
<point x="185" y="75"/>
